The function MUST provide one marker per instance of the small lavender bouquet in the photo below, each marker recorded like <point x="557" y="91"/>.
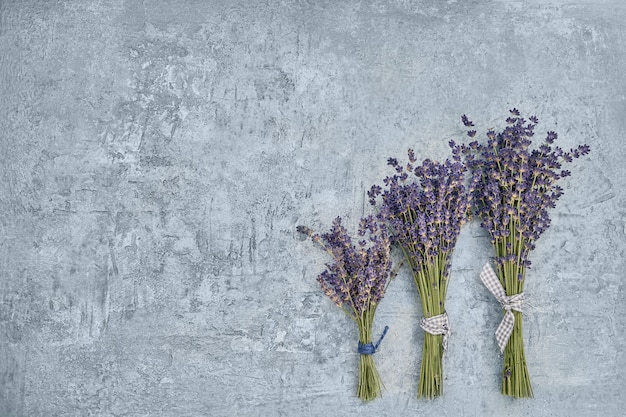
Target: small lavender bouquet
<point x="515" y="188"/>
<point x="424" y="207"/>
<point x="356" y="281"/>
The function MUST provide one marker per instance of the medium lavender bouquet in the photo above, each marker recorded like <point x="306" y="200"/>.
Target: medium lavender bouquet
<point x="424" y="207"/>
<point x="516" y="187"/>
<point x="356" y="281"/>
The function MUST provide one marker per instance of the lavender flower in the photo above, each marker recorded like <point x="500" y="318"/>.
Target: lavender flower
<point x="358" y="276"/>
<point x="356" y="281"/>
<point x="514" y="186"/>
<point x="424" y="208"/>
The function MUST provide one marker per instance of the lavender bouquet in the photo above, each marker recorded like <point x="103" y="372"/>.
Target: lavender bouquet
<point x="516" y="186"/>
<point x="356" y="281"/>
<point x="424" y="208"/>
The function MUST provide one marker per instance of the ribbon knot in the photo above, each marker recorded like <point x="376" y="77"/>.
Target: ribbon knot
<point x="513" y="302"/>
<point x="437" y="325"/>
<point x="508" y="303"/>
<point x="370" y="348"/>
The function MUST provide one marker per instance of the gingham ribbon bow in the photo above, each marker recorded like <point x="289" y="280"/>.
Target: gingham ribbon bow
<point x="508" y="303"/>
<point x="437" y="325"/>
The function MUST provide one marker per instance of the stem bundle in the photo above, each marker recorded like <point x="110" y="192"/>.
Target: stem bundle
<point x="370" y="384"/>
<point x="356" y="282"/>
<point x="431" y="283"/>
<point x="515" y="376"/>
<point x="515" y="185"/>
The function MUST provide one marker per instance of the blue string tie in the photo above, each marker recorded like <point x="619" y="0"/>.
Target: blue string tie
<point x="370" y="348"/>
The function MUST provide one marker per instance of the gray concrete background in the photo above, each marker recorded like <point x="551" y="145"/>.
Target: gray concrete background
<point x="156" y="157"/>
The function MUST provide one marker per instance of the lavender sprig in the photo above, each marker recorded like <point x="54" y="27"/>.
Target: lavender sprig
<point x="515" y="186"/>
<point x="356" y="281"/>
<point x="424" y="207"/>
<point x="358" y="277"/>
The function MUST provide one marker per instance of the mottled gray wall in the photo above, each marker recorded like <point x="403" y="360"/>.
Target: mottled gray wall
<point x="156" y="156"/>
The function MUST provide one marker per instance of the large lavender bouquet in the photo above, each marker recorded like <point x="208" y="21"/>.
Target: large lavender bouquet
<point x="516" y="186"/>
<point x="424" y="207"/>
<point x="356" y="281"/>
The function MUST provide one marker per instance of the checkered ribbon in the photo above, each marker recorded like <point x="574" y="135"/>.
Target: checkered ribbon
<point x="437" y="325"/>
<point x="508" y="303"/>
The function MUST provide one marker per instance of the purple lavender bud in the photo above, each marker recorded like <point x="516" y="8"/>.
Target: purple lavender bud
<point x="305" y="230"/>
<point x="584" y="149"/>
<point x="466" y="121"/>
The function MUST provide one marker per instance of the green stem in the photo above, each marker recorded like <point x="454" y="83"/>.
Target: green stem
<point x="370" y="384"/>
<point x="430" y="282"/>
<point x="431" y="370"/>
<point x="515" y="376"/>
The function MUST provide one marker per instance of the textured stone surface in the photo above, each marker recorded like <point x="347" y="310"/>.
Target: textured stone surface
<point x="156" y="156"/>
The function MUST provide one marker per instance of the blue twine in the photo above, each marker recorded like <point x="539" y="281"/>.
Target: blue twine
<point x="370" y="348"/>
